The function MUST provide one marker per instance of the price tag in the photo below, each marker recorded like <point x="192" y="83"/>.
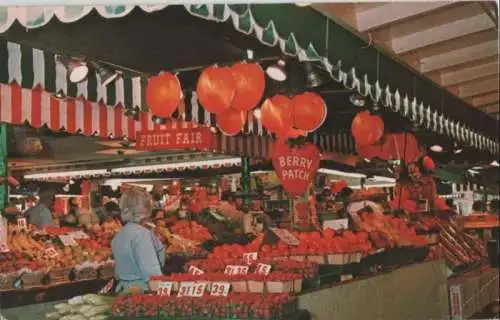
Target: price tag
<point x="164" y="288"/>
<point x="51" y="252"/>
<point x="337" y="224"/>
<point x="220" y="289"/>
<point x="67" y="240"/>
<point x="191" y="289"/>
<point x="4" y="248"/>
<point x="263" y="268"/>
<point x="194" y="270"/>
<point x="22" y="224"/>
<point x="78" y="235"/>
<point x="233" y="270"/>
<point x="250" y="257"/>
<point x="285" y="236"/>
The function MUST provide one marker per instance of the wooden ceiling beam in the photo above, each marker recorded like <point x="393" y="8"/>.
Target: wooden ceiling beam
<point x="484" y="99"/>
<point x="444" y="32"/>
<point x="478" y="88"/>
<point x="490" y="108"/>
<point x="460" y="56"/>
<point x="469" y="74"/>
<point x="380" y="16"/>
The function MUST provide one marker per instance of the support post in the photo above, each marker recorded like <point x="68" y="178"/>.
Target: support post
<point x="4" y="186"/>
<point x="245" y="182"/>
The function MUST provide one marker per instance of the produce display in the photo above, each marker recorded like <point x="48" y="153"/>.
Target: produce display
<point x="233" y="306"/>
<point x="86" y="307"/>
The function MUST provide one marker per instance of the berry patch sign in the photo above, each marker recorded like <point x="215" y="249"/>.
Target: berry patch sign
<point x="295" y="166"/>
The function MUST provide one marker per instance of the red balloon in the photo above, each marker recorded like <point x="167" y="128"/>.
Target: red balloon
<point x="163" y="94"/>
<point x="428" y="163"/>
<point x="309" y="111"/>
<point x="367" y="129"/>
<point x="276" y="114"/>
<point x="231" y="121"/>
<point x="250" y="84"/>
<point x="216" y="88"/>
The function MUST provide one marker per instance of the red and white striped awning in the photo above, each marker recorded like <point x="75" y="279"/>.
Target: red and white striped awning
<point x="39" y="107"/>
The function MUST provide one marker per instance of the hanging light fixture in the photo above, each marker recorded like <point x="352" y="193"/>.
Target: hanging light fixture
<point x="158" y="120"/>
<point x="78" y="70"/>
<point x="313" y="79"/>
<point x="277" y="71"/>
<point x="357" y="100"/>
<point x="107" y="76"/>
<point x="132" y="112"/>
<point x="436" y="148"/>
<point x="457" y="149"/>
<point x="59" y="95"/>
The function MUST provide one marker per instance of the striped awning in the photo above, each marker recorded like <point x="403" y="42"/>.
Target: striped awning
<point x="80" y="116"/>
<point x="268" y="25"/>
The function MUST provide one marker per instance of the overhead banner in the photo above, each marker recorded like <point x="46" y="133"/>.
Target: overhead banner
<point x="194" y="138"/>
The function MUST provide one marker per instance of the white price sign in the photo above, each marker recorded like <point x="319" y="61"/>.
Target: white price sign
<point x="263" y="268"/>
<point x="194" y="270"/>
<point x="285" y="236"/>
<point x="250" y="257"/>
<point x="191" y="289"/>
<point x="67" y="240"/>
<point x="164" y="288"/>
<point x="337" y="224"/>
<point x="4" y="248"/>
<point x="233" y="270"/>
<point x="220" y="289"/>
<point x="22" y="224"/>
<point x="51" y="252"/>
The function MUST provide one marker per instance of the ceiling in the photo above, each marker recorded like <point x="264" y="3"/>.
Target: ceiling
<point x="454" y="43"/>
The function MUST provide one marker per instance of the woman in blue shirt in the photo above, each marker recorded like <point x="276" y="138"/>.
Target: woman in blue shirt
<point x="138" y="253"/>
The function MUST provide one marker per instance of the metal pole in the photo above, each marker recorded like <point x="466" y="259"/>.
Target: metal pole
<point x="4" y="187"/>
<point x="245" y="182"/>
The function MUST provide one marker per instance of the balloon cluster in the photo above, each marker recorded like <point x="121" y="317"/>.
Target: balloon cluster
<point x="231" y="93"/>
<point x="293" y="117"/>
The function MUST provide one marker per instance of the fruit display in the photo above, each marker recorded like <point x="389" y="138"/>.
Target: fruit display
<point x="233" y="306"/>
<point x="86" y="307"/>
<point x="191" y="230"/>
<point x="387" y="231"/>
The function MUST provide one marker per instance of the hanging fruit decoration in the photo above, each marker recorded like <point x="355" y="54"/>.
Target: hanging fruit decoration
<point x="250" y="83"/>
<point x="309" y="111"/>
<point x="216" y="89"/>
<point x="366" y="128"/>
<point x="231" y="121"/>
<point x="276" y="114"/>
<point x="401" y="146"/>
<point x="428" y="163"/>
<point x="163" y="94"/>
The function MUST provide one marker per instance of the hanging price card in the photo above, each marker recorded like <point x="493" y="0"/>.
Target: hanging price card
<point x="22" y="224"/>
<point x="250" y="257"/>
<point x="233" y="270"/>
<point x="263" y="268"/>
<point x="191" y="289"/>
<point x="164" y="288"/>
<point x="220" y="289"/>
<point x="194" y="270"/>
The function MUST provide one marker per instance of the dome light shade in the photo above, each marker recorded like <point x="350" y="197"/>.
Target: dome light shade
<point x="357" y="100"/>
<point x="78" y="70"/>
<point x="277" y="71"/>
<point x="436" y="148"/>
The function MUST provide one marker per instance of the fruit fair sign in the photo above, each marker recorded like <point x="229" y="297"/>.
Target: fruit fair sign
<point x="295" y="166"/>
<point x="182" y="138"/>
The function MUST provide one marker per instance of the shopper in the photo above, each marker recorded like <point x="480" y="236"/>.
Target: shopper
<point x="41" y="214"/>
<point x="71" y="219"/>
<point x="137" y="252"/>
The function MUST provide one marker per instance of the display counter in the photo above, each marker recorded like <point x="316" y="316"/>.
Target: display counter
<point x="418" y="291"/>
<point x="471" y="292"/>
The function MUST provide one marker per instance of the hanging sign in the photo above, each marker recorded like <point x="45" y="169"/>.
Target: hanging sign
<point x="295" y="166"/>
<point x="285" y="236"/>
<point x="182" y="138"/>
